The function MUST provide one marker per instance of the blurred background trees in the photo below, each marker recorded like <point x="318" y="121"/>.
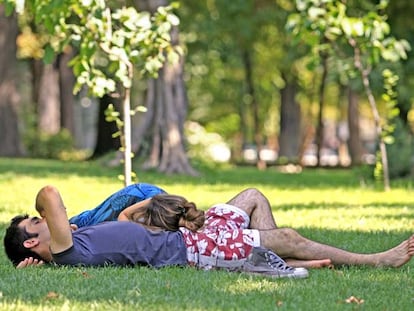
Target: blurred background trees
<point x="255" y="92"/>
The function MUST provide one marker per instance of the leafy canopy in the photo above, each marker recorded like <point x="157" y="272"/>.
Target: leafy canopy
<point x="108" y="41"/>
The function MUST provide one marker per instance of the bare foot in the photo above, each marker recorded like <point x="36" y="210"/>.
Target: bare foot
<point x="310" y="264"/>
<point x="397" y="256"/>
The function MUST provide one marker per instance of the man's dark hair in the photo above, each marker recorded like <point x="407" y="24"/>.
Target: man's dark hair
<point x="13" y="241"/>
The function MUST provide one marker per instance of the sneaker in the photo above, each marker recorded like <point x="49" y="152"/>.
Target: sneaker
<point x="263" y="261"/>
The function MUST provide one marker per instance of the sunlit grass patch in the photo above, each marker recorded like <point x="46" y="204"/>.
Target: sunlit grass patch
<point x="328" y="206"/>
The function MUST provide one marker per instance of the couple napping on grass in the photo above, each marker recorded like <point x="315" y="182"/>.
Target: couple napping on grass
<point x="240" y="235"/>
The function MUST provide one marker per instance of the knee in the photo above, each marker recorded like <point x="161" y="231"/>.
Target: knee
<point x="254" y="192"/>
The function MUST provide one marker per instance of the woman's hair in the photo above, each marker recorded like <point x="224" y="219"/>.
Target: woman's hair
<point x="13" y="241"/>
<point x="169" y="212"/>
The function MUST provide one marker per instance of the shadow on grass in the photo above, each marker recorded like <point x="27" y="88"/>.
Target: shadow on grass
<point x="309" y="178"/>
<point x="44" y="168"/>
<point x="322" y="205"/>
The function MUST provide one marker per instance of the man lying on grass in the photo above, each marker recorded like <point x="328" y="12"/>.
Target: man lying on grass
<point x="295" y="249"/>
<point x="51" y="239"/>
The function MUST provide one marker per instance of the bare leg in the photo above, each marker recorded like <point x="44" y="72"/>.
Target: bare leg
<point x="257" y="206"/>
<point x="287" y="243"/>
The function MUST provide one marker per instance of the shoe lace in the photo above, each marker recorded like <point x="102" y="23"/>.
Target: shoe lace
<point x="276" y="262"/>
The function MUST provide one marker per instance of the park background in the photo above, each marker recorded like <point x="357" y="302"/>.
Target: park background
<point x="251" y="103"/>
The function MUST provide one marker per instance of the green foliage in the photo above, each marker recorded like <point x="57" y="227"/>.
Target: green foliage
<point x="216" y="33"/>
<point x="326" y="26"/>
<point x="110" y="44"/>
<point x="50" y="146"/>
<point x="107" y="39"/>
<point x="365" y="41"/>
<point x="111" y="115"/>
<point x="400" y="152"/>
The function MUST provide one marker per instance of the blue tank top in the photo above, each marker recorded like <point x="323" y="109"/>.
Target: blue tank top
<point x="110" y="209"/>
<point x="123" y="244"/>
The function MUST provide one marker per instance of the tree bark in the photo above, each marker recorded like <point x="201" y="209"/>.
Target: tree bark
<point x="290" y="123"/>
<point x="248" y="68"/>
<point x="9" y="97"/>
<point x="48" y="101"/>
<point x="167" y="104"/>
<point x="104" y="141"/>
<point x="66" y="84"/>
<point x="320" y="130"/>
<point x="354" y="141"/>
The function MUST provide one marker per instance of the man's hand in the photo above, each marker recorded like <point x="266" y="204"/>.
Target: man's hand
<point x="45" y="197"/>
<point x="29" y="262"/>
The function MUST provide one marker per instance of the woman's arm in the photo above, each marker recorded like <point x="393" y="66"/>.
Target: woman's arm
<point x="125" y="215"/>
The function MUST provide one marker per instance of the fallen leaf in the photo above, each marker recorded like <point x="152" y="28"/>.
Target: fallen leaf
<point x="85" y="275"/>
<point x="52" y="295"/>
<point x="355" y="300"/>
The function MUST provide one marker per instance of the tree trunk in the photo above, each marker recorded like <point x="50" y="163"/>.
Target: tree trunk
<point x="9" y="97"/>
<point x="320" y="128"/>
<point x="246" y="57"/>
<point x="48" y="101"/>
<point x="365" y="73"/>
<point x="354" y="141"/>
<point x="66" y="84"/>
<point x="290" y="123"/>
<point x="104" y="141"/>
<point x="167" y="110"/>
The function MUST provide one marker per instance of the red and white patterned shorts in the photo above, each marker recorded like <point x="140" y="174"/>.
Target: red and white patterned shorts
<point x="224" y="241"/>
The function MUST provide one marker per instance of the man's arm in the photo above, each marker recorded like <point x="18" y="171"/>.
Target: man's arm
<point x="50" y="206"/>
<point x="125" y="215"/>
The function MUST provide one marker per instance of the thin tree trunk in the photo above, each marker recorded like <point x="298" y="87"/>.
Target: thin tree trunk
<point x="126" y="137"/>
<point x="320" y="128"/>
<point x="377" y="119"/>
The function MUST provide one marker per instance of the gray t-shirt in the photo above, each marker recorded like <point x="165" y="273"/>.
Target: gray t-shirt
<point x="123" y="244"/>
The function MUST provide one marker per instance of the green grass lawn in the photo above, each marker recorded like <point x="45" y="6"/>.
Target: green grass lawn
<point x="332" y="206"/>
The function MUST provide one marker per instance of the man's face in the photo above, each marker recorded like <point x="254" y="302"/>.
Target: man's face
<point x="36" y="225"/>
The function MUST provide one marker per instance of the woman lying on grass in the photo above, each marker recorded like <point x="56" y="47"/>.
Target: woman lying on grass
<point x="175" y="213"/>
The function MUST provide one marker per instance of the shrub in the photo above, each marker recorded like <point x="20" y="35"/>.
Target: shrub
<point x="400" y="152"/>
<point x="49" y="146"/>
